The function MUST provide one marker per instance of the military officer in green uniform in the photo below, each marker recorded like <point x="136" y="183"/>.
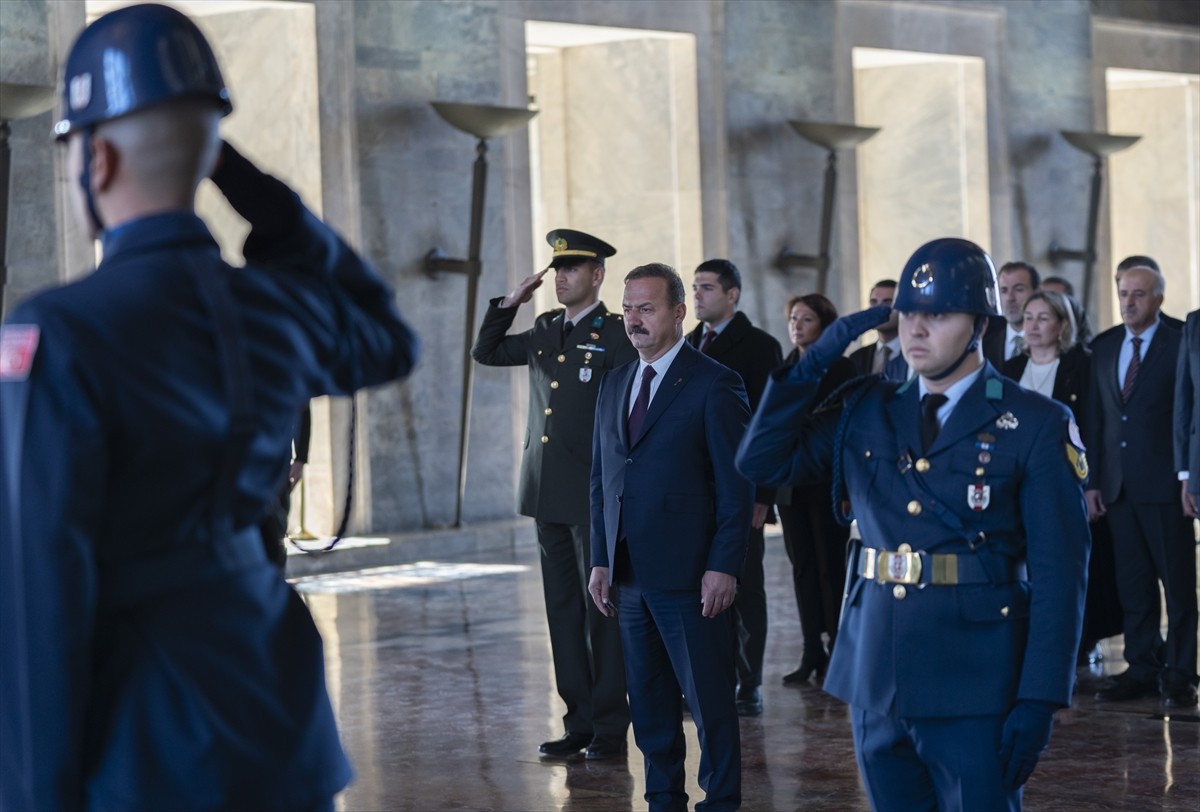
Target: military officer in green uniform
<point x="568" y="351"/>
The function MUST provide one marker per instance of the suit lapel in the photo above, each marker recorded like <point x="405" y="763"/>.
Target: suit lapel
<point x="678" y="374"/>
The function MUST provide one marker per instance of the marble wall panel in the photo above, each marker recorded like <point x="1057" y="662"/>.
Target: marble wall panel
<point x="1156" y="185"/>
<point x="924" y="175"/>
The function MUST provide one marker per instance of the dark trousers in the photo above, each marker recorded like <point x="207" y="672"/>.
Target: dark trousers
<point x="1153" y="542"/>
<point x="949" y="764"/>
<point x="671" y="649"/>
<point x="816" y="546"/>
<point x="750" y="614"/>
<point x="586" y="647"/>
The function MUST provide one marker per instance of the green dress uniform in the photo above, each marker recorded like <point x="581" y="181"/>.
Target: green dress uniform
<point x="565" y="370"/>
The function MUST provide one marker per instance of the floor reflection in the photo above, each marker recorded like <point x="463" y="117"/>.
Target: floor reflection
<point x="441" y="679"/>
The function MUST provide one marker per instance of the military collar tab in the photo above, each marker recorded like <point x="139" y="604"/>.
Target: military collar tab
<point x="995" y="389"/>
<point x="904" y="387"/>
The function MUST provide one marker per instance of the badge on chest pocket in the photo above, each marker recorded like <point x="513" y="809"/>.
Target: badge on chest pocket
<point x="585" y="374"/>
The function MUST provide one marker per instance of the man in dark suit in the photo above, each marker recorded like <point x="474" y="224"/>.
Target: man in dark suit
<point x="1130" y="437"/>
<point x="1017" y="282"/>
<point x="1187" y="416"/>
<point x="670" y="515"/>
<point x="884" y="356"/>
<point x="725" y="334"/>
<point x="568" y="351"/>
<point x="965" y="585"/>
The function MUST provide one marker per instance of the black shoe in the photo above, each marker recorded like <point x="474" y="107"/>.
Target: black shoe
<point x="568" y="745"/>
<point x="606" y="747"/>
<point x="813" y="662"/>
<point x="749" y="702"/>
<point x="1124" y="687"/>
<point x="1179" y="696"/>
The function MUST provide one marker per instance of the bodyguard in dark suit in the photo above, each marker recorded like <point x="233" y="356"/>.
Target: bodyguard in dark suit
<point x="1187" y="415"/>
<point x="1130" y="437"/>
<point x="670" y="516"/>
<point x="725" y="334"/>
<point x="884" y="356"/>
<point x="569" y="350"/>
<point x="965" y="593"/>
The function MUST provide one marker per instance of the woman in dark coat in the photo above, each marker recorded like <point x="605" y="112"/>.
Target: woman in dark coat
<point x="815" y="542"/>
<point x="1056" y="365"/>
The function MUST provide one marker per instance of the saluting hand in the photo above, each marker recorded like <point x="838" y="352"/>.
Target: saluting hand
<point x="717" y="591"/>
<point x="523" y="292"/>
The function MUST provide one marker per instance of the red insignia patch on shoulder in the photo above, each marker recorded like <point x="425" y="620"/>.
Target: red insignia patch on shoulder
<point x="18" y="345"/>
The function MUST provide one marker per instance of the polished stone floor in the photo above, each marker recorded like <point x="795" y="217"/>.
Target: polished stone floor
<point x="440" y="674"/>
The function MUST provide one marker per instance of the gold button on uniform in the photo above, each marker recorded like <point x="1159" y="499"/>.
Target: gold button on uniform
<point x="549" y="411"/>
<point x="980" y="472"/>
<point x="898" y="592"/>
<point x="561" y="358"/>
<point x="545" y="439"/>
<point x="867" y="454"/>
<point x="1003" y="611"/>
<point x="922" y="465"/>
<point x="553" y="384"/>
<point x="904" y="548"/>
<point x="914" y="508"/>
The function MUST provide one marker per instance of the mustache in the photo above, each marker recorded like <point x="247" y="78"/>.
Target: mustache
<point x="638" y="331"/>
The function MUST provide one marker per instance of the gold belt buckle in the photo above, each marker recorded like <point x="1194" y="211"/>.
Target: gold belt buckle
<point x="898" y="568"/>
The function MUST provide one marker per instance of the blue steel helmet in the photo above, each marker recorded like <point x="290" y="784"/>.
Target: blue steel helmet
<point x="134" y="58"/>
<point x="948" y="275"/>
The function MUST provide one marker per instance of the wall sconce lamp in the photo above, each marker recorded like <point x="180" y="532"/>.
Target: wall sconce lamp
<point x="16" y="102"/>
<point x="483" y="122"/>
<point x="1099" y="146"/>
<point x="832" y="137"/>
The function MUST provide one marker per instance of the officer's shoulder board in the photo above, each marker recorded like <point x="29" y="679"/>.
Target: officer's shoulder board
<point x="18" y="346"/>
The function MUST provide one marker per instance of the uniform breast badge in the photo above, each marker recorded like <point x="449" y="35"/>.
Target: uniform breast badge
<point x="979" y="496"/>
<point x="585" y="374"/>
<point x="1007" y="421"/>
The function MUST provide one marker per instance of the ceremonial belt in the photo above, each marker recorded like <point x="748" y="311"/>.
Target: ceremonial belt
<point x="132" y="581"/>
<point x="917" y="567"/>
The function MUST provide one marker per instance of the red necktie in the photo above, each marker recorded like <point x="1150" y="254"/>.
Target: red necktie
<point x="708" y="340"/>
<point x="1135" y="363"/>
<point x="641" y="405"/>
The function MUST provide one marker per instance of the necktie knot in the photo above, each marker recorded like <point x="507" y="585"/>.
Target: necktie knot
<point x="930" y="426"/>
<point x="882" y="355"/>
<point x="708" y="340"/>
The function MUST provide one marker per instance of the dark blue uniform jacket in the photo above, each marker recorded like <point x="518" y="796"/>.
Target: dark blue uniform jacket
<point x="152" y="657"/>
<point x="938" y="650"/>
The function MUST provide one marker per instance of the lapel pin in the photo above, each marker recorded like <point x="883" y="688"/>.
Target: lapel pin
<point x="1007" y="421"/>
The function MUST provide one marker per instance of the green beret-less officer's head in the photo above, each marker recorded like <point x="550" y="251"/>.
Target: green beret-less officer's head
<point x="571" y="246"/>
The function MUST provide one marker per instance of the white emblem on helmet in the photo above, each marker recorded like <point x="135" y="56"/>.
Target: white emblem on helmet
<point x="923" y="277"/>
<point x="79" y="93"/>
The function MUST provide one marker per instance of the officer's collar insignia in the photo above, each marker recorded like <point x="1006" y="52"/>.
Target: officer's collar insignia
<point x="560" y="245"/>
<point x="994" y="390"/>
<point x="1007" y="421"/>
<point x="923" y="277"/>
<point x="18" y="345"/>
<point x="597" y="323"/>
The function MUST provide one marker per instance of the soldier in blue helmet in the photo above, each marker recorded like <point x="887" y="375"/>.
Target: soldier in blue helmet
<point x="153" y="657"/>
<point x="965" y="580"/>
